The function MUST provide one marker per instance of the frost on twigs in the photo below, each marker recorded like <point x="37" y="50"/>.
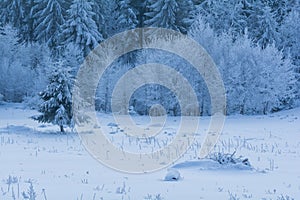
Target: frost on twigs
<point x="229" y="159"/>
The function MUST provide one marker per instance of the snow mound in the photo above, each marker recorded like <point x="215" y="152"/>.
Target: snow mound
<point x="111" y="124"/>
<point x="208" y="164"/>
<point x="172" y="175"/>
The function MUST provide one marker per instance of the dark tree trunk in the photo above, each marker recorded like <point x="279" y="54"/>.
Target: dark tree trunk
<point x="62" y="129"/>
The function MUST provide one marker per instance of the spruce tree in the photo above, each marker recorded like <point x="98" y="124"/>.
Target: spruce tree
<point x="127" y="18"/>
<point x="4" y="13"/>
<point x="225" y="15"/>
<point x="185" y="15"/>
<point x="262" y="25"/>
<point x="12" y="11"/>
<point x="98" y="9"/>
<point x="289" y="34"/>
<point x="48" y="21"/>
<point x="81" y="28"/>
<point x="17" y="14"/>
<point x="26" y="29"/>
<point x="280" y="8"/>
<point x="56" y="106"/>
<point x="139" y="7"/>
<point x="162" y="13"/>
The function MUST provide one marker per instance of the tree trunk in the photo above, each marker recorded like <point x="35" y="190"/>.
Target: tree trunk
<point x="62" y="129"/>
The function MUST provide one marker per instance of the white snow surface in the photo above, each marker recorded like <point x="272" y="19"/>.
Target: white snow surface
<point x="60" y="168"/>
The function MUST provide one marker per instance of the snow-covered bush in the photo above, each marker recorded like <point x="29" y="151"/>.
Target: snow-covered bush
<point x="22" y="68"/>
<point x="157" y="110"/>
<point x="227" y="159"/>
<point x="32" y="102"/>
<point x="131" y="110"/>
<point x="257" y="81"/>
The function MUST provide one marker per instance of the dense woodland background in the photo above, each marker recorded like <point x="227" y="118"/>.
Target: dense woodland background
<point x="255" y="44"/>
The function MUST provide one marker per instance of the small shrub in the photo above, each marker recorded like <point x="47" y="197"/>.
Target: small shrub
<point x="10" y="181"/>
<point x="286" y="197"/>
<point x="30" y="194"/>
<point x="233" y="196"/>
<point x="225" y="159"/>
<point x="32" y="102"/>
<point x="153" y="197"/>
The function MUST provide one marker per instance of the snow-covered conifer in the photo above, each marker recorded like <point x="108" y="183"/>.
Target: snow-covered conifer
<point x="262" y="26"/>
<point x="48" y="21"/>
<point x="185" y="15"/>
<point x="56" y="106"/>
<point x="12" y="11"/>
<point x="98" y="8"/>
<point x="162" y="13"/>
<point x="80" y="27"/>
<point x="127" y="19"/>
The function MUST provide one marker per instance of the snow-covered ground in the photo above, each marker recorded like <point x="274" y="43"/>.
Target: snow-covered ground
<point x="59" y="168"/>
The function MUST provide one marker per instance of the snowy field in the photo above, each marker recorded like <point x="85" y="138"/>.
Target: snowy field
<point x="59" y="168"/>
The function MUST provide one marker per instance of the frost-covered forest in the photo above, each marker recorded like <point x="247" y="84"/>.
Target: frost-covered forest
<point x="255" y="44"/>
<point x="54" y="145"/>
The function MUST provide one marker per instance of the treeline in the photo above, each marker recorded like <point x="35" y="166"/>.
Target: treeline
<point x="86" y="23"/>
<point x="255" y="44"/>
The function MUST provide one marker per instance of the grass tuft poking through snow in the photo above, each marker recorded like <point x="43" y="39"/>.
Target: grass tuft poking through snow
<point x="153" y="197"/>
